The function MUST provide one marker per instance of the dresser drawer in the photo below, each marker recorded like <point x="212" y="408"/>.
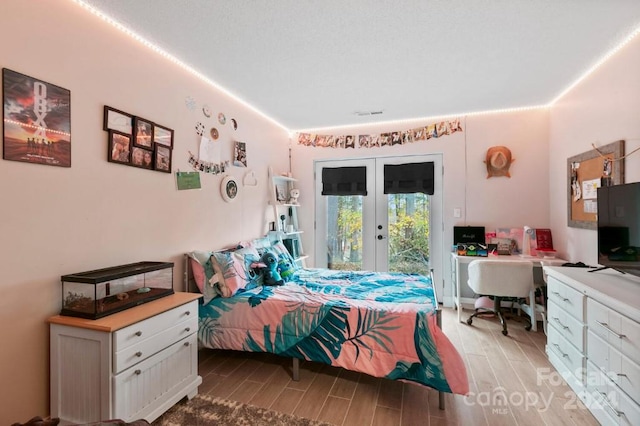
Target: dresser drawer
<point x="569" y="327"/>
<point x="140" y="391"/>
<point x="143" y="330"/>
<point x="572" y="358"/>
<point x="619" y="331"/>
<point x="133" y="354"/>
<point x="607" y="402"/>
<point x="620" y="369"/>
<point x="568" y="299"/>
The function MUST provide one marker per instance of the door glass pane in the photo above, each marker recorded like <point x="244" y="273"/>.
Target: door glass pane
<point x="408" y="233"/>
<point x="344" y="232"/>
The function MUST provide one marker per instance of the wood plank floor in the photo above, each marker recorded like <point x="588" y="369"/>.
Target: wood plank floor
<point x="511" y="383"/>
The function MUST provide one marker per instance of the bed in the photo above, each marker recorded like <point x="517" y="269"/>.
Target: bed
<point x="381" y="324"/>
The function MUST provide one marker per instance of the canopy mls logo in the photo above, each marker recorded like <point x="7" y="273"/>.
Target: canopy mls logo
<point x="500" y="401"/>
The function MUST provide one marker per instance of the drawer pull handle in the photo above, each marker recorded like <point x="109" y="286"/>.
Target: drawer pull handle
<point x="186" y="343"/>
<point x="564" y="299"/>
<point x="138" y="372"/>
<point x="187" y="329"/>
<point x="138" y="333"/>
<point x="556" y="319"/>
<point x="560" y="350"/>
<point x="188" y="313"/>
<point x="138" y="354"/>
<point x="609" y="405"/>
<point x="606" y="327"/>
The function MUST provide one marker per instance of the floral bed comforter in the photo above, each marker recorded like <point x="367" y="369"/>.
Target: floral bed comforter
<point x="381" y="324"/>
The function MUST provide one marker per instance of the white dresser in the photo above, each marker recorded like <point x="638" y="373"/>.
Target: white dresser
<point x="131" y="365"/>
<point x="594" y="339"/>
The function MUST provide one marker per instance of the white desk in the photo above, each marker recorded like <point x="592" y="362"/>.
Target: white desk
<point x="460" y="276"/>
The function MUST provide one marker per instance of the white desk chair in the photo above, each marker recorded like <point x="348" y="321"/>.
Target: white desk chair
<point x="533" y="308"/>
<point x="501" y="279"/>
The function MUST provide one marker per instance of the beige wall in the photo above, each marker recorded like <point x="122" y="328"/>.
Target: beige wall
<point x="56" y="221"/>
<point x="495" y="202"/>
<point x="602" y="109"/>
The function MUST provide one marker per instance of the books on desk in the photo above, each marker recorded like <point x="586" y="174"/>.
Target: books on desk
<point x="472" y="249"/>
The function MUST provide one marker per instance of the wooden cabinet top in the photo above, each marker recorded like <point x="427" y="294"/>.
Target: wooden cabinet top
<point x="130" y="316"/>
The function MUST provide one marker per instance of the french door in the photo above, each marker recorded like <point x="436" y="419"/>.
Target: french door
<point x="376" y="227"/>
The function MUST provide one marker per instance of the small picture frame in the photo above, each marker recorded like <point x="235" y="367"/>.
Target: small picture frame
<point x="117" y="120"/>
<point x="229" y="189"/>
<point x="142" y="158"/>
<point x="281" y="193"/>
<point x="119" y="147"/>
<point x="162" y="159"/>
<point x="142" y="133"/>
<point x="163" y="135"/>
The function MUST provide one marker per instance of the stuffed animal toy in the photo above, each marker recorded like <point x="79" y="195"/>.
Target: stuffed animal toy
<point x="285" y="268"/>
<point x="271" y="274"/>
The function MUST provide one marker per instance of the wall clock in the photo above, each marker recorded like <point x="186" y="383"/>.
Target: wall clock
<point x="229" y="188"/>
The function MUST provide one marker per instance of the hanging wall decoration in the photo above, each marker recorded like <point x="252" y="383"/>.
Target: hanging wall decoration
<point x="498" y="161"/>
<point x="137" y="142"/>
<point x="37" y="121"/>
<point x="586" y="172"/>
<point x="190" y="103"/>
<point x="399" y="137"/>
<point x="207" y="167"/>
<point x="240" y="154"/>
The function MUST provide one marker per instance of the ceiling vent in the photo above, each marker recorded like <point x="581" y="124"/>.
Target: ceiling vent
<point x="367" y="113"/>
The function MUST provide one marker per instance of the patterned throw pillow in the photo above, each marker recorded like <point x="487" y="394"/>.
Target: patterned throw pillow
<point x="233" y="270"/>
<point x="197" y="260"/>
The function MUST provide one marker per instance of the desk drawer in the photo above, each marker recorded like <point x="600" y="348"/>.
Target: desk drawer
<point x="149" y="327"/>
<point x="619" y="331"/>
<point x="568" y="299"/>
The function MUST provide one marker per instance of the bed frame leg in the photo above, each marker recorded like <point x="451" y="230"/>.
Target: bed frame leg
<point x="441" y="400"/>
<point x="296" y="369"/>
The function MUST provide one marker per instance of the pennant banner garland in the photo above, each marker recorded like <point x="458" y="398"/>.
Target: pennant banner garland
<point x="402" y="137"/>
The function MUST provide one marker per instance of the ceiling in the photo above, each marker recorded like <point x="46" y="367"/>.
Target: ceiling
<point x="314" y="64"/>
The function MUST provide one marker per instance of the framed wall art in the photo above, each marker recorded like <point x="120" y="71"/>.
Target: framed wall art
<point x="141" y="157"/>
<point x="137" y="142"/>
<point x="37" y="120"/>
<point x="117" y="120"/>
<point x="586" y="172"/>
<point x="163" y="136"/>
<point x="229" y="189"/>
<point x="163" y="159"/>
<point x="119" y="147"/>
<point x="142" y="133"/>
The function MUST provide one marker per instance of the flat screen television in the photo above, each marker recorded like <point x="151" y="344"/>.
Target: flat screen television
<point x="619" y="227"/>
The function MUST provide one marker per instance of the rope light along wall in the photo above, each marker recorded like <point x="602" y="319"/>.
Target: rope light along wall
<point x="597" y="65"/>
<point x="31" y="126"/>
<point x="173" y="59"/>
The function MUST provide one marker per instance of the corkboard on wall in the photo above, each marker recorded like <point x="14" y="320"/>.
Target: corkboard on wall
<point x="601" y="166"/>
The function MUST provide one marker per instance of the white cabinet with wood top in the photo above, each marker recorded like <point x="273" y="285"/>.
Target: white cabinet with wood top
<point x="131" y="365"/>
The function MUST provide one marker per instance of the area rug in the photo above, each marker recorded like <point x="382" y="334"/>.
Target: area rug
<point x="205" y="410"/>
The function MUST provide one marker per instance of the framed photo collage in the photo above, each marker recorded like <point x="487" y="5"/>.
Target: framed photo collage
<point x="137" y="142"/>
